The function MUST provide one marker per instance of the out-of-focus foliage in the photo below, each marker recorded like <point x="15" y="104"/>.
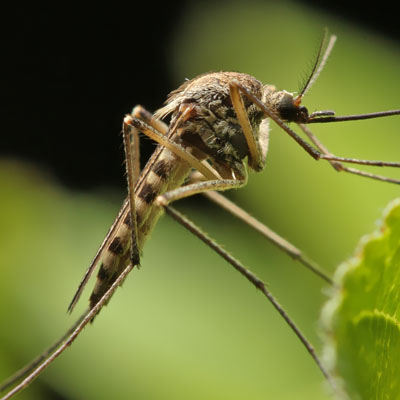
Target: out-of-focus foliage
<point x="362" y="317"/>
<point x="186" y="325"/>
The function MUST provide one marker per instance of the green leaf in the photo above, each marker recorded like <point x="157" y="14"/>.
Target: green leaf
<point x="361" y="320"/>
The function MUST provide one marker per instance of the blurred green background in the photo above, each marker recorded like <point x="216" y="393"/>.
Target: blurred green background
<point x="187" y="325"/>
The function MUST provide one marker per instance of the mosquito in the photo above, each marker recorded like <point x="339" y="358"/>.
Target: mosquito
<point x="218" y="130"/>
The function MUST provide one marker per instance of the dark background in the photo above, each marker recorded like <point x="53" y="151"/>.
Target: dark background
<point x="69" y="75"/>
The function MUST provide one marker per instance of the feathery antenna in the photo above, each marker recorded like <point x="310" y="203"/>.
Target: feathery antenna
<point x="324" y="51"/>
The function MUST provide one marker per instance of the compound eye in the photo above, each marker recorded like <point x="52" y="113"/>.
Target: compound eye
<point x="302" y="114"/>
<point x="290" y="111"/>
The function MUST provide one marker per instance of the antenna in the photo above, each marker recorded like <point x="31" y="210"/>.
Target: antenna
<point x="324" y="51"/>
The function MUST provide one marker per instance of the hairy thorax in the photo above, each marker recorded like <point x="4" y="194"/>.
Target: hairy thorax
<point x="203" y="113"/>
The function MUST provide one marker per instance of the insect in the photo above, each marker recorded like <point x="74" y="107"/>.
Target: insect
<point x="218" y="128"/>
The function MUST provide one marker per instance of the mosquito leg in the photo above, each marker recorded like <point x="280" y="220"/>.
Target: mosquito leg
<point x="373" y="163"/>
<point x="257" y="156"/>
<point x="203" y="187"/>
<point x="315" y="153"/>
<point x="131" y="137"/>
<point x="272" y="236"/>
<point x="197" y="187"/>
<point x="235" y="86"/>
<point x="277" y="240"/>
<point x="131" y="144"/>
<point x="154" y="134"/>
<point x="67" y="341"/>
<point x="131" y="147"/>
<point x="338" y="165"/>
<point x="191" y="227"/>
<point x="147" y="117"/>
<point x="30" y="367"/>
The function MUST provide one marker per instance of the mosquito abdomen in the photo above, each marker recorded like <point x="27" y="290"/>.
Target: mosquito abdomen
<point x="163" y="172"/>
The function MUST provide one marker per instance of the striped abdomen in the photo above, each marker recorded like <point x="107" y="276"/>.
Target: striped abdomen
<point x="163" y="172"/>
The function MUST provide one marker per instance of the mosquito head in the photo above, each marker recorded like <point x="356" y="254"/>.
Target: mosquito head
<point x="288" y="107"/>
<point x="285" y="106"/>
<point x="290" y="110"/>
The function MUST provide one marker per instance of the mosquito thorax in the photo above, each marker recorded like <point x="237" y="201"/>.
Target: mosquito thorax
<point x="284" y="105"/>
<point x="211" y="126"/>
